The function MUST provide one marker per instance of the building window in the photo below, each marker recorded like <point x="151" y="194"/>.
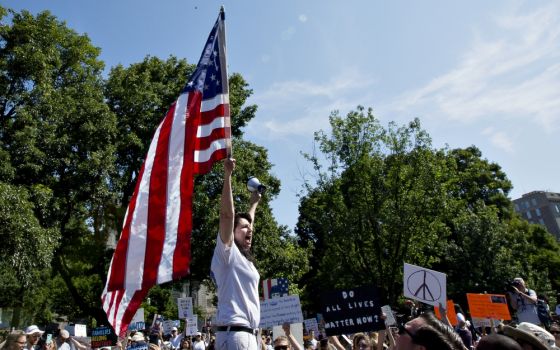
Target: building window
<point x="528" y="213"/>
<point x="516" y="207"/>
<point x="538" y="211"/>
<point x="557" y="207"/>
<point x="533" y="201"/>
<point x="541" y="221"/>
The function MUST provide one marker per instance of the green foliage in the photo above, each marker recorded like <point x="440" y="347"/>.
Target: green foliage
<point x="387" y="197"/>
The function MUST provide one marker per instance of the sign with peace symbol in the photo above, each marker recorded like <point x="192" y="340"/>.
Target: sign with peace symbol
<point x="425" y="285"/>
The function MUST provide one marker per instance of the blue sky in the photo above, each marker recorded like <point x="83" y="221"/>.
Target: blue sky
<point x="475" y="72"/>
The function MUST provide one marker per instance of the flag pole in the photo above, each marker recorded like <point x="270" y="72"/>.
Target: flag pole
<point x="225" y="81"/>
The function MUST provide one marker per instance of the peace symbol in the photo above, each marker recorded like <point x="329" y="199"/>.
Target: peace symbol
<point x="424" y="285"/>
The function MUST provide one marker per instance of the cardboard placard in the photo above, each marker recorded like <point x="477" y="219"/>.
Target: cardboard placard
<point x="488" y="306"/>
<point x="451" y="314"/>
<point x="425" y="285"/>
<point x="352" y="310"/>
<point x="192" y="325"/>
<point x="276" y="311"/>
<point x="185" y="307"/>
<point x="311" y="325"/>
<point x="390" y="316"/>
<point x="103" y="336"/>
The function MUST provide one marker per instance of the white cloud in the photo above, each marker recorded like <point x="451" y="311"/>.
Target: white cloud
<point x="510" y="73"/>
<point x="302" y="18"/>
<point x="302" y="107"/>
<point x="499" y="139"/>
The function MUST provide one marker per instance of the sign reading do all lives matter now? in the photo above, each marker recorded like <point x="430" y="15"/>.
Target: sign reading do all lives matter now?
<point x="277" y="311"/>
<point x="353" y="310"/>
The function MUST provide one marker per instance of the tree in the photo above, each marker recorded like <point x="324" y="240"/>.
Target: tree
<point x="56" y="135"/>
<point x="387" y="197"/>
<point x="380" y="203"/>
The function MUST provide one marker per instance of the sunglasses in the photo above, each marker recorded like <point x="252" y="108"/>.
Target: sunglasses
<point x="554" y="332"/>
<point x="281" y="347"/>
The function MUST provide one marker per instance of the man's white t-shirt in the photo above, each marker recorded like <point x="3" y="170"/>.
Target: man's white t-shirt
<point x="237" y="281"/>
<point x="199" y="345"/>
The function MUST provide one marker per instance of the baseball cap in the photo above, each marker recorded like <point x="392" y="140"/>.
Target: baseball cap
<point x="174" y="328"/>
<point x="64" y="334"/>
<point x="33" y="329"/>
<point x="138" y="336"/>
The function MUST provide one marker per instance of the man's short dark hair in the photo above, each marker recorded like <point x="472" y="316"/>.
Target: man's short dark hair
<point x="444" y="329"/>
<point x="497" y="342"/>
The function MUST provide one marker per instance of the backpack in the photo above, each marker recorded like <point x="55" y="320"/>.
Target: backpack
<point x="542" y="312"/>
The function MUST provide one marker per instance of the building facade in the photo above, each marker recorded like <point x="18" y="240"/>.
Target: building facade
<point x="541" y="207"/>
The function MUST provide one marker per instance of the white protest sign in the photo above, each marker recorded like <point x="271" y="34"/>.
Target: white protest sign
<point x="311" y="325"/>
<point x="77" y="330"/>
<point x="390" y="320"/>
<point x="138" y="316"/>
<point x="483" y="322"/>
<point x="425" y="285"/>
<point x="185" y="307"/>
<point x="168" y="326"/>
<point x="192" y="325"/>
<point x="296" y="330"/>
<point x="279" y="310"/>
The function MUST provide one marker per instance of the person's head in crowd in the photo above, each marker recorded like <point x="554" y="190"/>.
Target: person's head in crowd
<point x="307" y="345"/>
<point x="519" y="283"/>
<point x="373" y="337"/>
<point x="33" y="335"/>
<point x="555" y="331"/>
<point x="281" y="343"/>
<point x="15" y="341"/>
<point x="186" y="343"/>
<point x="64" y="335"/>
<point x="324" y="344"/>
<point x="154" y="347"/>
<point x="46" y="345"/>
<point x="408" y="339"/>
<point x="361" y="341"/>
<point x="174" y="331"/>
<point x="198" y="337"/>
<point x="531" y="337"/>
<point x="497" y="342"/>
<point x="138" y="337"/>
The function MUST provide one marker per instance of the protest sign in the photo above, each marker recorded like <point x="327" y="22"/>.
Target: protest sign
<point x="483" y="322"/>
<point x="140" y="346"/>
<point x="192" y="325"/>
<point x="168" y="325"/>
<point x="451" y="314"/>
<point x="352" y="310"/>
<point x="311" y="325"/>
<point x="185" y="307"/>
<point x="425" y="285"/>
<point x="77" y="330"/>
<point x="390" y="316"/>
<point x="296" y="329"/>
<point x="488" y="306"/>
<point x="279" y="310"/>
<point x="103" y="336"/>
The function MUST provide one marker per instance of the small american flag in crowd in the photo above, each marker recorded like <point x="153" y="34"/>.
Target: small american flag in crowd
<point x="275" y="288"/>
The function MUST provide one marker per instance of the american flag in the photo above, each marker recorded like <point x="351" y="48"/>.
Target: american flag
<point x="154" y="246"/>
<point x="275" y="288"/>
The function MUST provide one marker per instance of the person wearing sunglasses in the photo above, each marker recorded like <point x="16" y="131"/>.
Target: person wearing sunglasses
<point x="14" y="341"/>
<point x="427" y="332"/>
<point x="287" y="341"/>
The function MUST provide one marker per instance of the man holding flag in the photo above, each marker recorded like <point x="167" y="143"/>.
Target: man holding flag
<point x="234" y="273"/>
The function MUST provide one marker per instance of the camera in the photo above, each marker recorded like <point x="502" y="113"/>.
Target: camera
<point x="511" y="286"/>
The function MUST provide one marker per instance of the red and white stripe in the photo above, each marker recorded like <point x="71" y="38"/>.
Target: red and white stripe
<point x="154" y="247"/>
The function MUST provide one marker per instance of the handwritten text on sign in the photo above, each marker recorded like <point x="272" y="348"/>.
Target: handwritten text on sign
<point x="275" y="312"/>
<point x="351" y="311"/>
